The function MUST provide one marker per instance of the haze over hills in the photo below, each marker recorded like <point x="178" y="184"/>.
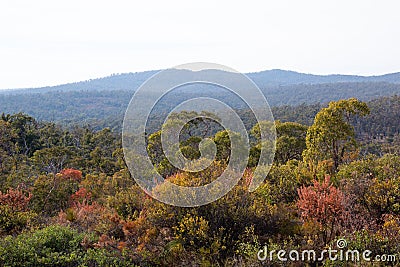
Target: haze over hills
<point x="275" y="77"/>
<point x="284" y="77"/>
<point x="107" y="98"/>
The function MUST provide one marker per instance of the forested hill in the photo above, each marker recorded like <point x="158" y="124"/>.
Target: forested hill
<point x="91" y="105"/>
<point x="268" y="78"/>
<point x="106" y="99"/>
<point x="284" y="77"/>
<point x="125" y="81"/>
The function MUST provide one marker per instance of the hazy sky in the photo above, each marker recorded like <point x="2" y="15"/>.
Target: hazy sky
<point x="45" y="42"/>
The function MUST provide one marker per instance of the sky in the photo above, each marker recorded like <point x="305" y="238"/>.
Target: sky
<point x="45" y="42"/>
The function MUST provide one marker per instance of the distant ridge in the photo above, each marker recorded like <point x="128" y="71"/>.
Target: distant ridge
<point x="123" y="81"/>
<point x="107" y="98"/>
<point x="286" y="77"/>
<point x="267" y="78"/>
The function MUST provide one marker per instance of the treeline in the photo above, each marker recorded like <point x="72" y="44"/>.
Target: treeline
<point x="68" y="199"/>
<point x="326" y="92"/>
<point x="98" y="104"/>
<point x="68" y="107"/>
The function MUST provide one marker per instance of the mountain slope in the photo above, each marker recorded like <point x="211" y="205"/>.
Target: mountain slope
<point x="125" y="81"/>
<point x="84" y="106"/>
<point x="107" y="98"/>
<point x="268" y="78"/>
<point x="283" y="77"/>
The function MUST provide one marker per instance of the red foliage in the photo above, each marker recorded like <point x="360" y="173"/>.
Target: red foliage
<point x="323" y="204"/>
<point x="122" y="245"/>
<point x="248" y="177"/>
<point x="105" y="241"/>
<point x="72" y="174"/>
<point x="84" y="216"/>
<point x="88" y="215"/>
<point x="16" y="199"/>
<point x="82" y="196"/>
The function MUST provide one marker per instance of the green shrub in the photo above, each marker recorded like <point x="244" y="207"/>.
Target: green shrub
<point x="56" y="246"/>
<point x="13" y="221"/>
<point x="51" y="246"/>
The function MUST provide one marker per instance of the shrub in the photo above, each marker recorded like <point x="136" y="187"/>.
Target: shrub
<point x="53" y="245"/>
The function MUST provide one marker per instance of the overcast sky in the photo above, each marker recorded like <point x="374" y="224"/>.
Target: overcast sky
<point x="45" y="42"/>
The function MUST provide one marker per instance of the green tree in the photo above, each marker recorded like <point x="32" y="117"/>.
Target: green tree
<point x="26" y="129"/>
<point x="224" y="143"/>
<point x="102" y="159"/>
<point x="7" y="148"/>
<point x="190" y="147"/>
<point x="53" y="159"/>
<point x="258" y="143"/>
<point x="51" y="193"/>
<point x="332" y="137"/>
<point x="291" y="141"/>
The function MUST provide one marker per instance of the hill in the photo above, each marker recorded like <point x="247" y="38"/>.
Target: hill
<point x="284" y="77"/>
<point x="267" y="78"/>
<point x="106" y="99"/>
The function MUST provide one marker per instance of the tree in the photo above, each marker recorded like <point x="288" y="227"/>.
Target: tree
<point x="52" y="192"/>
<point x="25" y="127"/>
<point x="102" y="154"/>
<point x="204" y="125"/>
<point x="332" y="137"/>
<point x="257" y="143"/>
<point x="190" y="147"/>
<point x="7" y="148"/>
<point x="52" y="160"/>
<point x="224" y="141"/>
<point x="291" y="141"/>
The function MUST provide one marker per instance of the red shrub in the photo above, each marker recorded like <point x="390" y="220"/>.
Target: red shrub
<point x="81" y="196"/>
<point x="72" y="174"/>
<point x="324" y="204"/>
<point x="16" y="199"/>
